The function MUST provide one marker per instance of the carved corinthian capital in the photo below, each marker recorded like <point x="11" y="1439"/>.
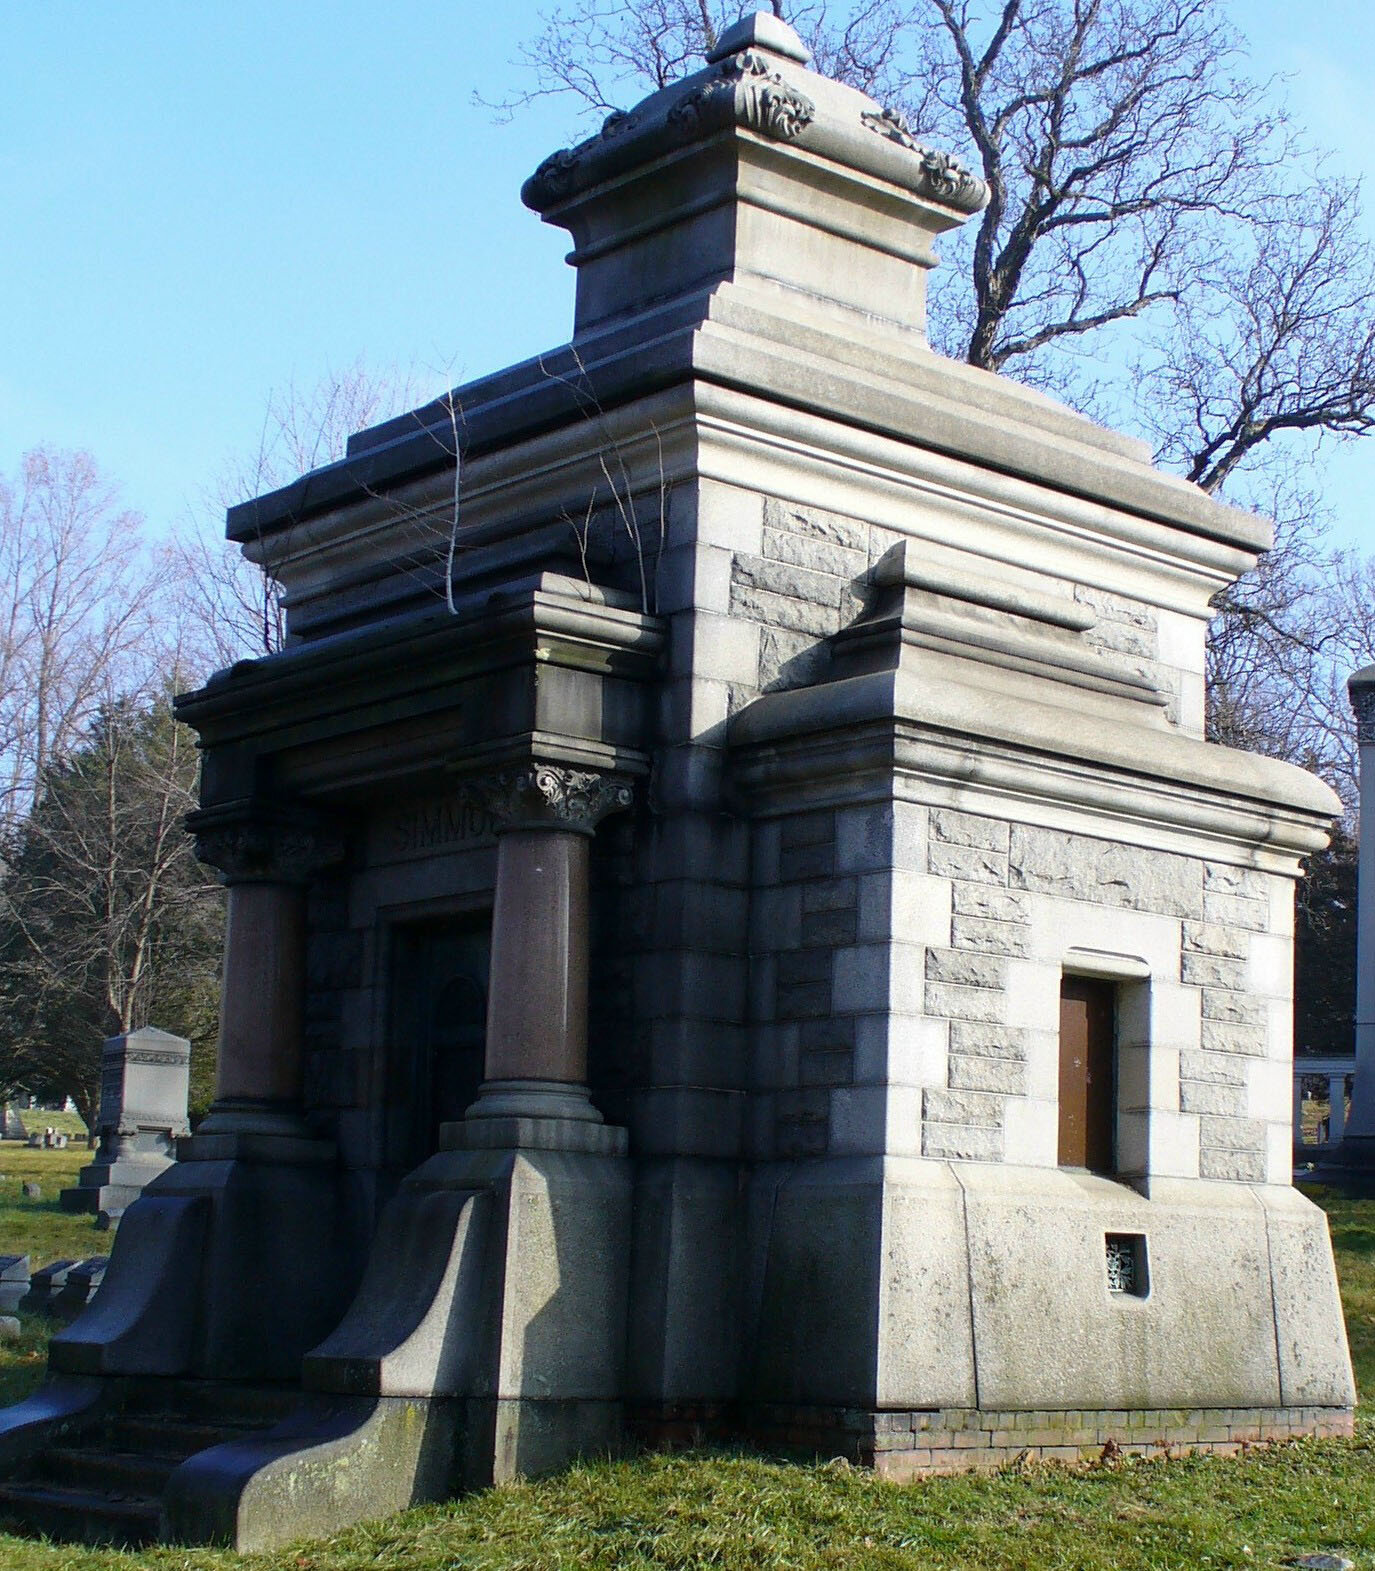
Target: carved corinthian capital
<point x="553" y="795"/>
<point x="1363" y="704"/>
<point x="264" y="850"/>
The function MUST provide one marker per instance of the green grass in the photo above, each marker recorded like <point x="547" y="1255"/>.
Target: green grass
<point x="41" y="1228"/>
<point x="740" y="1512"/>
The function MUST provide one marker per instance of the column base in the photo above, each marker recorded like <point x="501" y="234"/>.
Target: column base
<point x="248" y="1116"/>
<point x="559" y="1099"/>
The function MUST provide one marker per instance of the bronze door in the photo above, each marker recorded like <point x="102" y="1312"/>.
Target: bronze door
<point x="1088" y="1093"/>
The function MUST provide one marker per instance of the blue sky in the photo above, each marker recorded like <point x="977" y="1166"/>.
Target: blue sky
<point x="202" y="202"/>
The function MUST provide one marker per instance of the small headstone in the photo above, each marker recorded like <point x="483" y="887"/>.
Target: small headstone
<point x="33" y="1191"/>
<point x="45" y="1285"/>
<point x="60" y="1141"/>
<point x="14" y="1281"/>
<point x="107" y="1221"/>
<point x="1323" y="1562"/>
<point x="144" y="1086"/>
<point x="36" y="1141"/>
<point x="10" y="1329"/>
<point x="14" y="1124"/>
<point x="78" y="1290"/>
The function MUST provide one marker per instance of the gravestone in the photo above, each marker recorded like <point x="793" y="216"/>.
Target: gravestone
<point x="44" y="1286"/>
<point x="14" y="1124"/>
<point x="144" y="1085"/>
<point x="14" y="1281"/>
<point x="79" y="1288"/>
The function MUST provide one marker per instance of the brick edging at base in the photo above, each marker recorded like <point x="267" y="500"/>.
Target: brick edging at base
<point x="908" y="1444"/>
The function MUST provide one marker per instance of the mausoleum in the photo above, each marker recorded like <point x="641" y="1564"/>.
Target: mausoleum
<point x="734" y="926"/>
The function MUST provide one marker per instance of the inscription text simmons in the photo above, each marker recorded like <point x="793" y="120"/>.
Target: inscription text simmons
<point x="435" y="824"/>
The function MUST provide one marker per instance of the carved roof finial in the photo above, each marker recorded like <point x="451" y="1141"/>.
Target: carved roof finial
<point x="760" y="30"/>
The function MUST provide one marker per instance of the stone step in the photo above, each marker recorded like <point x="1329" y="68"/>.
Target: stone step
<point x="167" y="1435"/>
<point x="103" y="1471"/>
<point x="80" y="1515"/>
<point x="213" y="1401"/>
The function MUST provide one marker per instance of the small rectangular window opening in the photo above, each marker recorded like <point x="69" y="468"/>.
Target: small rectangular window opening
<point x="1126" y="1264"/>
<point x="1088" y="1074"/>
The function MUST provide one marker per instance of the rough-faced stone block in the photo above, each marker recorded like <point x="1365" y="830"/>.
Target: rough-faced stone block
<point x="994" y="938"/>
<point x="1076" y="867"/>
<point x="1198" y="1096"/>
<point x="969" y="829"/>
<point x="816" y="524"/>
<point x="1210" y="971"/>
<point x="988" y="1041"/>
<point x="998" y="905"/>
<point x="967" y="862"/>
<point x="965" y="969"/>
<point x="1233" y="1008"/>
<point x="974" y="1109"/>
<point x="1232" y="1134"/>
<point x="965" y="1003"/>
<point x="1233" y="911"/>
<point x="1004" y="1075"/>
<point x="961" y="1142"/>
<point x="1220" y="1036"/>
<point x="1211" y="938"/>
<point x="1212" y="1068"/>
<point x="1238" y="1167"/>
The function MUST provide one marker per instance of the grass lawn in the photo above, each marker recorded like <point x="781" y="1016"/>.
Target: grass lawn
<point x="739" y="1512"/>
<point x="41" y="1228"/>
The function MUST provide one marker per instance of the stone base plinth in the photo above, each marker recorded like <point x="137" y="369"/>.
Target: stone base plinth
<point x="111" y="1186"/>
<point x="954" y="1440"/>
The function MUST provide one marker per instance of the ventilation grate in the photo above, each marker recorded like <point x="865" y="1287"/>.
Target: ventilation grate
<point x="1126" y="1264"/>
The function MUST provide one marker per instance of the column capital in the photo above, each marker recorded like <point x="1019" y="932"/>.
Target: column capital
<point x="1362" y="696"/>
<point x="266" y="847"/>
<point x="552" y="796"/>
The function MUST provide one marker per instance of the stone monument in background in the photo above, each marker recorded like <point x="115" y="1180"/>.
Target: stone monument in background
<point x="145" y="1083"/>
<point x="738" y="928"/>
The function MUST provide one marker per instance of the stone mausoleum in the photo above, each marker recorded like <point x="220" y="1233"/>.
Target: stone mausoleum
<point x="734" y="928"/>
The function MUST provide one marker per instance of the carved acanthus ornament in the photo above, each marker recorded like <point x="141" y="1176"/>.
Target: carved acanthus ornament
<point x="264" y="851"/>
<point x="552" y="795"/>
<point x="751" y="93"/>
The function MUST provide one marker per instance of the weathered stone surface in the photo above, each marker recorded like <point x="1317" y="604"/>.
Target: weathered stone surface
<point x="1212" y="1068"/>
<point x="965" y="969"/>
<point x="967" y="862"/>
<point x="965" y="1003"/>
<point x="995" y="938"/>
<point x="1220" y="1036"/>
<point x="999" y="905"/>
<point x="966" y="829"/>
<point x="1076" y="867"/>
<point x="1210" y="971"/>
<point x="973" y="1073"/>
<point x="988" y="1041"/>
<point x="1212" y="938"/>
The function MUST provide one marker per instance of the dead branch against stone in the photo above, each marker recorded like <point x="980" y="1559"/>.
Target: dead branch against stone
<point x="620" y="488"/>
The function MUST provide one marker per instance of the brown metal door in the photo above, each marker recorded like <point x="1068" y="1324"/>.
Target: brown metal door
<point x="1088" y="1027"/>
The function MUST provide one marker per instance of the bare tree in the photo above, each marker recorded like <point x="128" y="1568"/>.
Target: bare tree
<point x="237" y="603"/>
<point x="1159" y="249"/>
<point x="107" y="921"/>
<point x="76" y="595"/>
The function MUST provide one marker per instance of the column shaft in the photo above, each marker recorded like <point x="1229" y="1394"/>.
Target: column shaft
<point x="1362" y="1121"/>
<point x="537" y="997"/>
<point x="261" y="1007"/>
